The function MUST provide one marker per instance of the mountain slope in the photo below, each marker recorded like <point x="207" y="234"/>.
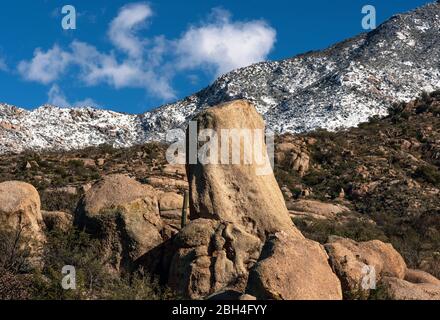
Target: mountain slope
<point x="335" y="88"/>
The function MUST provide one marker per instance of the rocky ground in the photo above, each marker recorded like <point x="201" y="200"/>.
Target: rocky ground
<point x="116" y="215"/>
<point x="383" y="177"/>
<point x="338" y="87"/>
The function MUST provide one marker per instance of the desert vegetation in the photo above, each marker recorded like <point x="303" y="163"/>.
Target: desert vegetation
<point x="380" y="181"/>
<point x="387" y="172"/>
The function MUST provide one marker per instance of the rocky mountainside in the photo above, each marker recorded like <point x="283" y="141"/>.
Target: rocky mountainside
<point x="335" y="88"/>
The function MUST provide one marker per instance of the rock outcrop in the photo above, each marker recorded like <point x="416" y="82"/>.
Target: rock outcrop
<point x="244" y="194"/>
<point x="419" y="276"/>
<point x="124" y="215"/>
<point x="295" y="154"/>
<point x="235" y="208"/>
<point x="169" y="201"/>
<point x="170" y="207"/>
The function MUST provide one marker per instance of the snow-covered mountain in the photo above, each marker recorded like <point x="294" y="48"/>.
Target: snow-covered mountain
<point x="334" y="88"/>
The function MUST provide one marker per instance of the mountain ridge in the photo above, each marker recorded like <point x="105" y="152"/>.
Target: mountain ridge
<point x="338" y="87"/>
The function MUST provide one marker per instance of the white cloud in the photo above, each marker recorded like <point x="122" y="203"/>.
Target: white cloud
<point x="123" y="28"/>
<point x="3" y="65"/>
<point x="57" y="98"/>
<point x="98" y="68"/>
<point x="45" y="67"/>
<point x="141" y="68"/>
<point x="219" y="45"/>
<point x="224" y="44"/>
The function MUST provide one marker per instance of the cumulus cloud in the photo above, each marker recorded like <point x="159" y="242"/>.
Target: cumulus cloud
<point x="217" y="45"/>
<point x="96" y="67"/>
<point x="123" y="28"/>
<point x="57" y="98"/>
<point x="45" y="67"/>
<point x="224" y="44"/>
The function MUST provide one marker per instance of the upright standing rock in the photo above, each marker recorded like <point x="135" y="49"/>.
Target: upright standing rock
<point x="234" y="208"/>
<point x="244" y="194"/>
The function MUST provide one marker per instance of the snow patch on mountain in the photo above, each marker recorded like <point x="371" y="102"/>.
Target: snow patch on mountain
<point x="336" y="88"/>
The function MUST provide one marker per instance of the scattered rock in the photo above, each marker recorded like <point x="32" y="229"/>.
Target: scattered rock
<point x="88" y="162"/>
<point x="341" y="194"/>
<point x="86" y="187"/>
<point x="68" y="189"/>
<point x="286" y="192"/>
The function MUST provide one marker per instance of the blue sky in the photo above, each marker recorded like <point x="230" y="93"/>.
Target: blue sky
<point x="134" y="56"/>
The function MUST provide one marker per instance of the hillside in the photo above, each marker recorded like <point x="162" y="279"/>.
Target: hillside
<point x="385" y="172"/>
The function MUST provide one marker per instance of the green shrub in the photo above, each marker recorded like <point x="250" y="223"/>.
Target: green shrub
<point x="93" y="279"/>
<point x="428" y="174"/>
<point x="320" y="230"/>
<point x="314" y="178"/>
<point x="58" y="201"/>
<point x="76" y="163"/>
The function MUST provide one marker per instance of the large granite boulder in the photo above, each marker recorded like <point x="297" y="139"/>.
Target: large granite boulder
<point x="124" y="215"/>
<point x="235" y="207"/>
<point x="20" y="217"/>
<point x="356" y="262"/>
<point x="212" y="256"/>
<point x="293" y="269"/>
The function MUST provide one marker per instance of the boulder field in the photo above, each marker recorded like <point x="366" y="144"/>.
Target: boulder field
<point x="239" y="241"/>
